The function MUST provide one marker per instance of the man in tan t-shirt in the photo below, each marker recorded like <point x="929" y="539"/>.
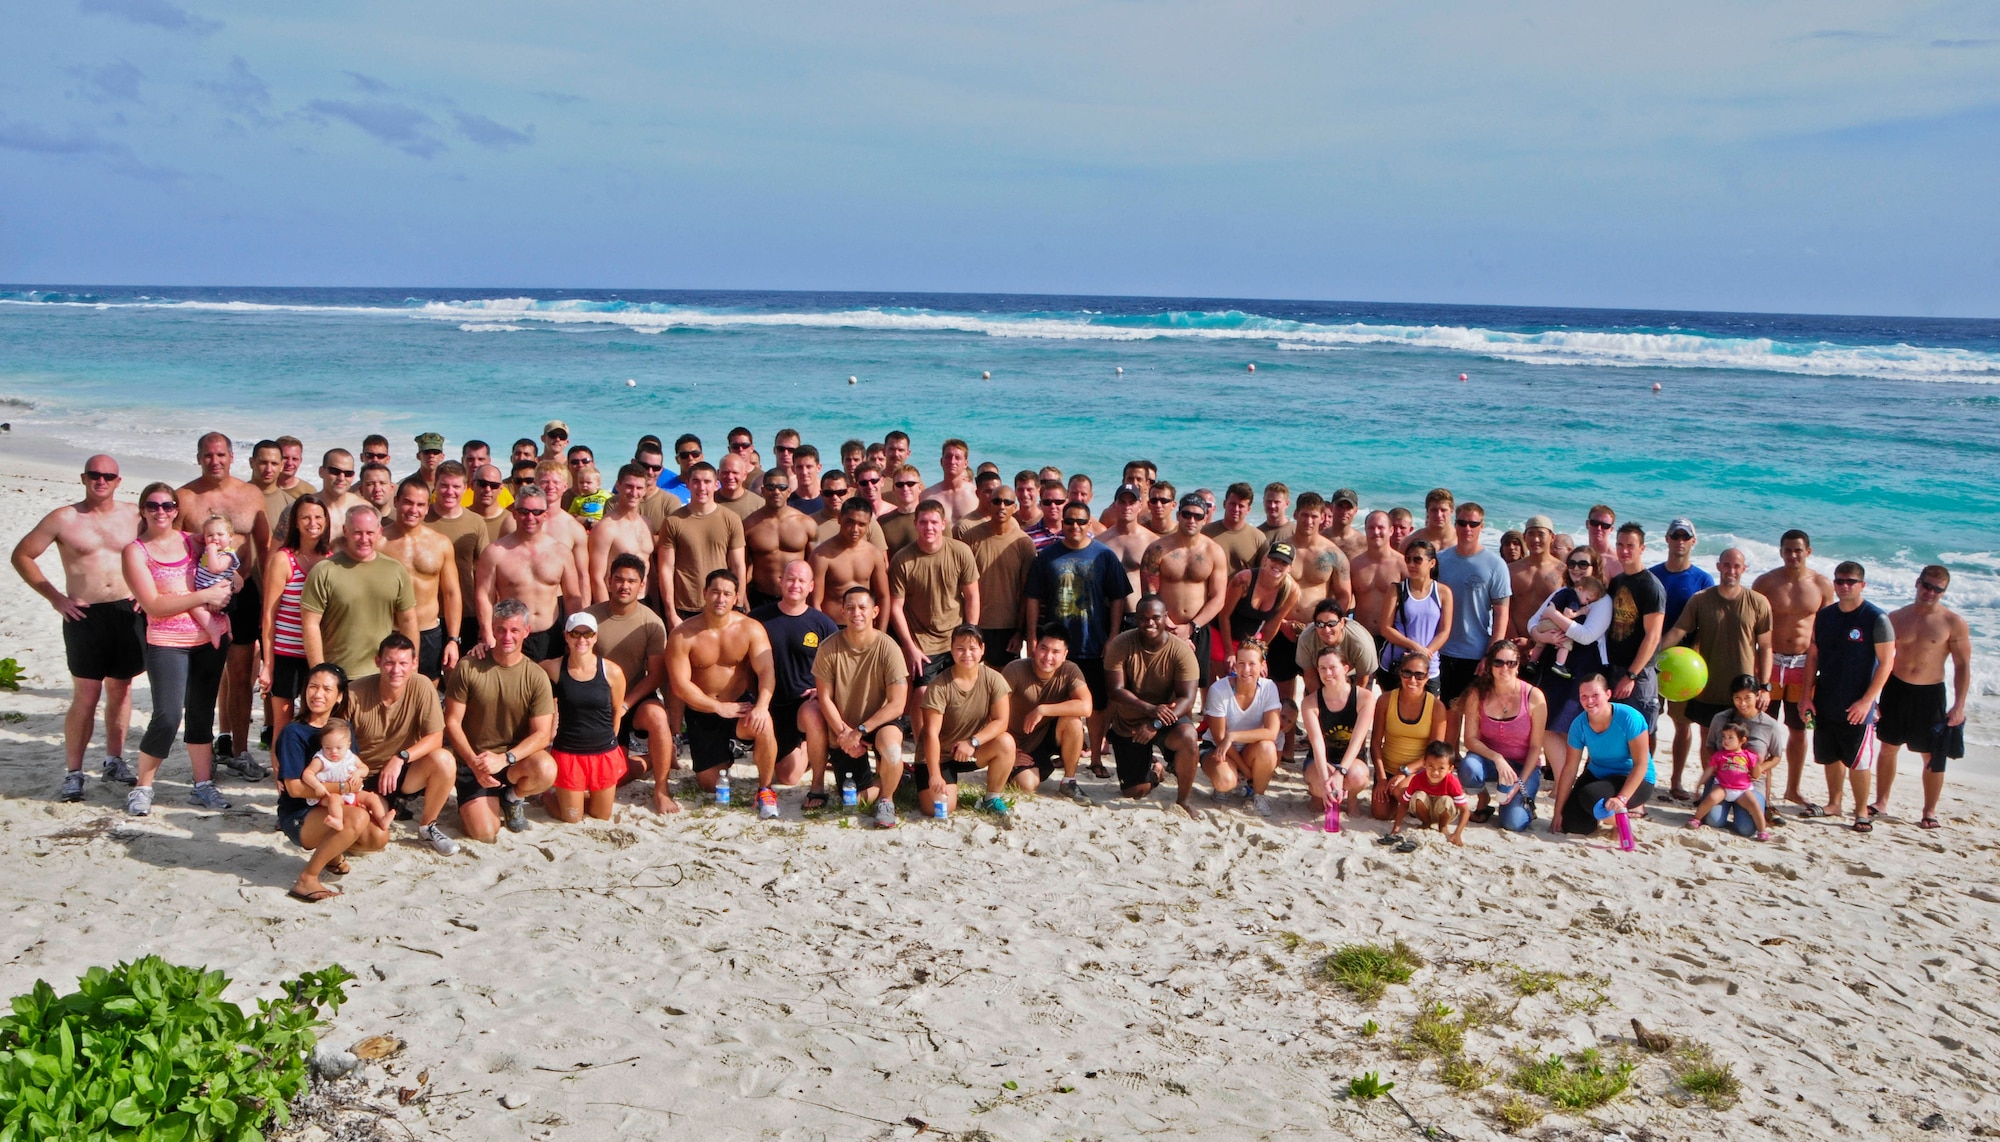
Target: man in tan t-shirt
<point x="1047" y="712"/>
<point x="1730" y="626"/>
<point x="399" y="733"/>
<point x="898" y="510"/>
<point x="630" y="635"/>
<point x="353" y="598"/>
<point x="1239" y="539"/>
<point x="1152" y="675"/>
<point x="695" y="542"/>
<point x="863" y="688"/>
<point x="731" y="486"/>
<point x="933" y="588"/>
<point x="466" y="532"/>
<point x="499" y="717"/>
<point x="1002" y="552"/>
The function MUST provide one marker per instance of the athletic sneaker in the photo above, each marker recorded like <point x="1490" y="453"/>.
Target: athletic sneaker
<point x="1074" y="792"/>
<point x="119" y="770"/>
<point x="72" y="789"/>
<point x="514" y="811"/>
<point x="225" y="745"/>
<point x="1262" y="804"/>
<point x="244" y="766"/>
<point x="444" y="845"/>
<point x="206" y="795"/>
<point x="1245" y="792"/>
<point x="885" y="813"/>
<point x="767" y="803"/>
<point x="994" y="803"/>
<point x="139" y="802"/>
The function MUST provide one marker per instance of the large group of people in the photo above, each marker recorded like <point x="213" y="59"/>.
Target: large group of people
<point x="542" y="632"/>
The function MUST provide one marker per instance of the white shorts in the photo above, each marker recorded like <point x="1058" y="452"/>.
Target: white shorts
<point x="1729" y="796"/>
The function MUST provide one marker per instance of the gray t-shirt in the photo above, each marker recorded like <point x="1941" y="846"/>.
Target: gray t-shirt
<point x="1477" y="581"/>
<point x="1767" y="734"/>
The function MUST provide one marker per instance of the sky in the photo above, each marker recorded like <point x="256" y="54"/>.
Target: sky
<point x="1759" y="155"/>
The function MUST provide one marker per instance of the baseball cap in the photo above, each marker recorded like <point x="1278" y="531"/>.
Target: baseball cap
<point x="1681" y="524"/>
<point x="430" y="442"/>
<point x="580" y="620"/>
<point x="556" y="426"/>
<point x="1127" y="491"/>
<point x="1346" y="496"/>
<point x="1280" y="552"/>
<point x="1541" y="521"/>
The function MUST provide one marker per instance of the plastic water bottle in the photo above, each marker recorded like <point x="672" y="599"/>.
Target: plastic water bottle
<point x="938" y="810"/>
<point x="1603" y="810"/>
<point x="1333" y="811"/>
<point x="849" y="796"/>
<point x="722" y="788"/>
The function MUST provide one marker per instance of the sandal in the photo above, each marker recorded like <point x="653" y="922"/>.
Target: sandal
<point x="1481" y="816"/>
<point x="816" y="799"/>
<point x="1929" y="823"/>
<point x="1408" y="845"/>
<point x="338" y="866"/>
<point x="1863" y="827"/>
<point x="1098" y="771"/>
<point x="1682" y="796"/>
<point x="313" y="897"/>
<point x="1812" y="810"/>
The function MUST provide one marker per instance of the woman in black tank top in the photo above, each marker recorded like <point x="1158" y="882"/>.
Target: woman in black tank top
<point x="590" y="702"/>
<point x="1332" y="716"/>
<point x="1241" y="617"/>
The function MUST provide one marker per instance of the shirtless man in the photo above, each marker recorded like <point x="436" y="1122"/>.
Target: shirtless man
<point x="1127" y="536"/>
<point x="267" y="469"/>
<point x="1159" y="516"/>
<point x="1402" y="526"/>
<point x="849" y="560"/>
<point x="1028" y="490"/>
<point x="623" y="530"/>
<point x="696" y="541"/>
<point x="659" y="503"/>
<point x="1913" y="709"/>
<point x="433" y="566"/>
<point x="1535" y="577"/>
<point x="336" y="477"/>
<point x="553" y="478"/>
<point x="530" y="565"/>
<point x="729" y="490"/>
<point x="100" y="628"/>
<point x="216" y="492"/>
<point x="294" y="452"/>
<point x="773" y="536"/>
<point x="719" y="665"/>
<point x="466" y="533"/>
<point x="1339" y="525"/>
<point x="1601" y="524"/>
<point x="1138" y="475"/>
<point x="377" y="489"/>
<point x="955" y="491"/>
<point x="1796" y="593"/>
<point x="1373" y="575"/>
<point x="1190" y="574"/>
<point x="1438" y="508"/>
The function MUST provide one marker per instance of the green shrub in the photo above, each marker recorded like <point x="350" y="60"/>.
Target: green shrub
<point x="1367" y="970"/>
<point x="1701" y="1076"/>
<point x="151" y="1050"/>
<point x="11" y="674"/>
<point x="1579" y="1086"/>
<point x="1364" y="1088"/>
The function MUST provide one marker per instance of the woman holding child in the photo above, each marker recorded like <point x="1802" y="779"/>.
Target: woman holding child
<point x="314" y="813"/>
<point x="1587" y="654"/>
<point x="1504" y="718"/>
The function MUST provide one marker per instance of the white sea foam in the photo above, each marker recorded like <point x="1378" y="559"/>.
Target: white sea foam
<point x="489" y="327"/>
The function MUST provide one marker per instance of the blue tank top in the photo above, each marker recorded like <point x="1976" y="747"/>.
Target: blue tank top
<point x="1416" y="620"/>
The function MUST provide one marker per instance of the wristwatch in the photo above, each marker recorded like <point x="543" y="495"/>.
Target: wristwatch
<point x="975" y="741"/>
<point x="403" y="755"/>
<point x="510" y="757"/>
<point x="862" y="729"/>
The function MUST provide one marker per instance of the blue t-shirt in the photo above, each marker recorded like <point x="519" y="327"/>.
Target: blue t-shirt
<point x="795" y="643"/>
<point x="1477" y="581"/>
<point x="293" y="750"/>
<point x="671" y="482"/>
<point x="1611" y="751"/>
<point x="1680" y="586"/>
<point x="1076" y="589"/>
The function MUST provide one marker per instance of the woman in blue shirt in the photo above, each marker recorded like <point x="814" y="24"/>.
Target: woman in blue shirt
<point x="324" y="696"/>
<point x="1620" y="765"/>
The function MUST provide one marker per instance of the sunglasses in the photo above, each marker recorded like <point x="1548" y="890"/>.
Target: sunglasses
<point x="1840" y="581"/>
<point x="583" y="632"/>
<point x="693" y="455"/>
<point x="1085" y="522"/>
<point x="489" y="485"/>
<point x="651" y="467"/>
<point x="909" y="483"/>
<point x="740" y="446"/>
<point x="870" y="480"/>
<point x="107" y="477"/>
<point x="1414" y="673"/>
<point x="375" y="457"/>
<point x="343" y="473"/>
<point x="1926" y="585"/>
<point x="1006" y="503"/>
<point x="1191" y="513"/>
<point x="1468" y="523"/>
<point x="558" y="434"/>
<point x="1580" y="563"/>
<point x="531" y="511"/>
<point x="1328" y="624"/>
<point x="1598" y="525"/>
<point x="1510" y="663"/>
<point x="162" y="506"/>
<point x="430" y="451"/>
<point x="1053" y="503"/>
<point x="829" y="493"/>
<point x="1162" y="500"/>
<point x="786" y="448"/>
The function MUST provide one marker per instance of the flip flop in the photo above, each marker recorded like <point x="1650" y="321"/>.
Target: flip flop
<point x="817" y="799"/>
<point x="1407" y="845"/>
<point x="338" y="866"/>
<point x="1873" y="812"/>
<point x="1811" y="810"/>
<point x="1929" y="823"/>
<point x="1098" y="771"/>
<point x="313" y="897"/>
<point x="1863" y="827"/>
<point x="1481" y="816"/>
<point x="1681" y="795"/>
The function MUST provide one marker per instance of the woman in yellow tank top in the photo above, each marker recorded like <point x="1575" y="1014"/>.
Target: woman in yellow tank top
<point x="1406" y="721"/>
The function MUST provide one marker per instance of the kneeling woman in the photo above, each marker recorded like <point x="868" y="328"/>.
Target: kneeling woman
<point x="1243" y="712"/>
<point x="590" y="703"/>
<point x="324" y="695"/>
<point x="965" y="727"/>
<point x="1619" y="769"/>
<point x="1332" y="715"/>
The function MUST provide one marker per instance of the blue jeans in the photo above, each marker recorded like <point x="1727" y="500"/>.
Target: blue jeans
<point x="1730" y="814"/>
<point x="1475" y="773"/>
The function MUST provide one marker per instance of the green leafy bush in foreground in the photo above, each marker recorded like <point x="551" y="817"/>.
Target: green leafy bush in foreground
<point x="151" y="1050"/>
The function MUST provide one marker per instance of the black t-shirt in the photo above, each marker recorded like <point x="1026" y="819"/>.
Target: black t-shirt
<point x="1846" y="641"/>
<point x="795" y="641"/>
<point x="1633" y="597"/>
<point x="293" y="750"/>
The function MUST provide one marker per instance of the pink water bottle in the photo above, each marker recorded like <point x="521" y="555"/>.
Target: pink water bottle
<point x="1625" y="844"/>
<point x="1332" y="812"/>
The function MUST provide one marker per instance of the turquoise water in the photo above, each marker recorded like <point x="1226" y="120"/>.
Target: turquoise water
<point x="1876" y="435"/>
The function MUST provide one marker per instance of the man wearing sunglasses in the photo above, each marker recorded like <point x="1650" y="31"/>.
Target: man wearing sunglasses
<point x="1850" y="659"/>
<point x="899" y="522"/>
<point x="217" y="492"/>
<point x="1190" y="574"/>
<point x="1913" y="710"/>
<point x="555" y="438"/>
<point x="337" y="471"/>
<point x="659" y="503"/>
<point x="836" y="490"/>
<point x="687" y="453"/>
<point x="1080" y="585"/>
<point x="100" y="628"/>
<point x="532" y="566"/>
<point x="775" y="536"/>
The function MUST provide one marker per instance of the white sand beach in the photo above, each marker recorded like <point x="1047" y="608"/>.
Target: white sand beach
<point x="1104" y="972"/>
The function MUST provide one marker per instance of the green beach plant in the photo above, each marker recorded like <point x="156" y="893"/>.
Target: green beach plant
<point x="1367" y="970"/>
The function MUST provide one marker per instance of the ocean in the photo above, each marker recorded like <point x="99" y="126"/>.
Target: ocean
<point x="1880" y="436"/>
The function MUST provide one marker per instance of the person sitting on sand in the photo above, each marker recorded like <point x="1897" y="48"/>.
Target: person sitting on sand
<point x="964" y="724"/>
<point x="861" y="684"/>
<point x="303" y="822"/>
<point x="330" y="773"/>
<point x="1765" y="738"/>
<point x="1434" y="797"/>
<point x="1333" y="712"/>
<point x="719" y="664"/>
<point x="499" y="716"/>
<point x="1244" y="715"/>
<point x="1150" y="675"/>
<point x="1504" y="718"/>
<point x="1048" y="712"/>
<point x="1733" y="768"/>
<point x="1407" y="719"/>
<point x="1620" y="768"/>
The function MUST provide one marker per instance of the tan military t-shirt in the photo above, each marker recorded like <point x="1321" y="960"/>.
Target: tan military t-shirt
<point x="357" y="604"/>
<point x="1725" y="632"/>
<point x="858" y="680"/>
<point x="899" y="530"/>
<point x="499" y="700"/>
<point x="931" y="586"/>
<point x="702" y="544"/>
<point x="964" y="710"/>
<point x="630" y="641"/>
<point x="1244" y="546"/>
<point x="655" y="508"/>
<point x="1152" y="675"/>
<point x="1003" y="571"/>
<point x="380" y="732"/>
<point x="1030" y="691"/>
<point x="745" y="505"/>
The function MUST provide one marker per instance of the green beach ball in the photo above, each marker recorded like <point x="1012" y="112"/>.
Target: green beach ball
<point x="1682" y="674"/>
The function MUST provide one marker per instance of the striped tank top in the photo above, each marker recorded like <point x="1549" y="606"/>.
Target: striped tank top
<point x="174" y="578"/>
<point x="287" y="635"/>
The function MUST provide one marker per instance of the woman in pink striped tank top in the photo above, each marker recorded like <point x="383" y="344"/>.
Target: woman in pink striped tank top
<point x="303" y="544"/>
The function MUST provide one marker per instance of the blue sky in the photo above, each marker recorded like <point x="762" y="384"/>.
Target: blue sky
<point x="1819" y="157"/>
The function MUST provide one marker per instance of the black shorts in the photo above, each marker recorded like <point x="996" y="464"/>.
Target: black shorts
<point x="1787" y="712"/>
<point x="846" y="766"/>
<point x="1455" y="676"/>
<point x="1835" y="739"/>
<point x="105" y="643"/>
<point x="938" y="664"/>
<point x="1135" y="761"/>
<point x="997" y="654"/>
<point x="1700" y="714"/>
<point x="785" y="724"/>
<point x="543" y="645"/>
<point x="430" y="653"/>
<point x="1093" y="677"/>
<point x="246" y="614"/>
<point x="1910" y="715"/>
<point x="1044" y="758"/>
<point x="755" y="597"/>
<point x="288" y="677"/>
<point x="709" y="735"/>
<point x="1281" y="662"/>
<point x="469" y="788"/>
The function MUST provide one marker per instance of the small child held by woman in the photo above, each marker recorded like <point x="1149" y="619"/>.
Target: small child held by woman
<point x="1549" y="633"/>
<point x="218" y="564"/>
<point x="334" y="765"/>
